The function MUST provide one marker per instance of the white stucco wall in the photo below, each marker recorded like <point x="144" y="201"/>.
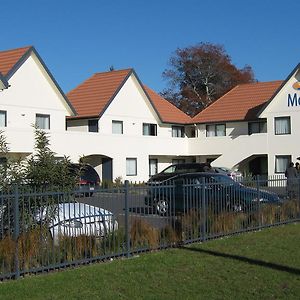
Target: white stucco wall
<point x="133" y="108"/>
<point x="280" y="107"/>
<point x="32" y="92"/>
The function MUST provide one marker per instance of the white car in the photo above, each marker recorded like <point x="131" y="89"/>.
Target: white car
<point x="75" y="219"/>
<point x="235" y="175"/>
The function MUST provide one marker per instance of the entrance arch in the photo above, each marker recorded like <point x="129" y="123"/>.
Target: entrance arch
<point x="102" y="164"/>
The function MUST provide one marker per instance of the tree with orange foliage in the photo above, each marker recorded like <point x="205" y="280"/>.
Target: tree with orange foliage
<point x="201" y="74"/>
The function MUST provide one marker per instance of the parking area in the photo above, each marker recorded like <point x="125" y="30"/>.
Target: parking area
<point x="115" y="202"/>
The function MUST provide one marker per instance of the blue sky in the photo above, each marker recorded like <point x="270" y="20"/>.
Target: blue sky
<point x="78" y="38"/>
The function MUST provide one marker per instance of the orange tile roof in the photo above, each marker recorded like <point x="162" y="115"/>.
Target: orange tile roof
<point x="168" y="112"/>
<point x="241" y="103"/>
<point x="91" y="98"/>
<point x="10" y="57"/>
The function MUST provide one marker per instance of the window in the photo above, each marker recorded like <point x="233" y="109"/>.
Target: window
<point x="281" y="163"/>
<point x="93" y="126"/>
<point x="178" y="161"/>
<point x="131" y="166"/>
<point x="215" y="130"/>
<point x="117" y="127"/>
<point x="152" y="166"/>
<point x="42" y="121"/>
<point x="149" y="129"/>
<point x="177" y="131"/>
<point x="257" y="127"/>
<point x="3" y="121"/>
<point x="282" y="125"/>
<point x="193" y="132"/>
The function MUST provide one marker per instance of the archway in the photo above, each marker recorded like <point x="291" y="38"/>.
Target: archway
<point x="103" y="165"/>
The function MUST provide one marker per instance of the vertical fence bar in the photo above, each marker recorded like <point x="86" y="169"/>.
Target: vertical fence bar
<point x="258" y="202"/>
<point x="203" y="208"/>
<point x="16" y="218"/>
<point x="127" y="235"/>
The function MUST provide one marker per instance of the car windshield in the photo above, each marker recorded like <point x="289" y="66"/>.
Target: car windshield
<point x="85" y="172"/>
<point x="89" y="174"/>
<point x="169" y="170"/>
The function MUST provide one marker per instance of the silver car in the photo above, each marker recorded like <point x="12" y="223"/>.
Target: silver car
<point x="235" y="175"/>
<point x="75" y="219"/>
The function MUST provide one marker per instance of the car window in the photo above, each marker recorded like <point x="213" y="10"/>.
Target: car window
<point x="223" y="179"/>
<point x="169" y="170"/>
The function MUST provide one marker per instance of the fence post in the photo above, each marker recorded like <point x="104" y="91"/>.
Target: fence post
<point x="258" y="201"/>
<point x="127" y="235"/>
<point x="203" y="204"/>
<point x="16" y="217"/>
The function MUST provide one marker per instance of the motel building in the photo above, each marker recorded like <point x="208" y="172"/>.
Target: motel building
<point x="124" y="129"/>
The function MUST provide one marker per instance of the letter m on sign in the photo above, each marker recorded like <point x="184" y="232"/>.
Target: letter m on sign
<point x="292" y="102"/>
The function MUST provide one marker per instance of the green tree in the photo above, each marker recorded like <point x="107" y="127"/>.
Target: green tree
<point x="11" y="168"/>
<point x="41" y="172"/>
<point x="43" y="169"/>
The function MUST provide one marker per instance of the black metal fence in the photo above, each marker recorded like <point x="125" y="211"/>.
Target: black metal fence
<point x="43" y="230"/>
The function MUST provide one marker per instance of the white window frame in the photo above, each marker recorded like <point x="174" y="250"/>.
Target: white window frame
<point x="131" y="166"/>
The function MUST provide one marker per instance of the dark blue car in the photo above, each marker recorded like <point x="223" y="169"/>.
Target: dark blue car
<point x="214" y="191"/>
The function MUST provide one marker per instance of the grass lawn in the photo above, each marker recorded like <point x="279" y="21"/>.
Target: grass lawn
<point x="256" y="265"/>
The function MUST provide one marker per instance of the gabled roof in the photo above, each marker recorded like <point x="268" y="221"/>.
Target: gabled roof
<point x="92" y="97"/>
<point x="11" y="60"/>
<point x="296" y="69"/>
<point x="242" y="103"/>
<point x="167" y="112"/>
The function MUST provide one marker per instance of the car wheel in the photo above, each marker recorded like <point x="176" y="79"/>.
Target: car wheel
<point x="161" y="206"/>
